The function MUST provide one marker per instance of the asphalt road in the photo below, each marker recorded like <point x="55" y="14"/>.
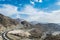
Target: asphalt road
<point x="5" y="37"/>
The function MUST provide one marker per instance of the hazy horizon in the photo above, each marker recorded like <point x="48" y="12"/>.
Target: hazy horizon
<point x="45" y="11"/>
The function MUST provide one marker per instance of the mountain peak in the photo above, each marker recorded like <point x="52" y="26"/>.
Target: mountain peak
<point x="7" y="21"/>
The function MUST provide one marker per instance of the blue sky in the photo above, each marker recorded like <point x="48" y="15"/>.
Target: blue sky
<point x="32" y="10"/>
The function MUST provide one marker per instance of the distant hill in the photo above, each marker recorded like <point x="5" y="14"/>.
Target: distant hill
<point x="48" y="26"/>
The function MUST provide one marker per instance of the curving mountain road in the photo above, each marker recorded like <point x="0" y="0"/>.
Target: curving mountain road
<point x="5" y="37"/>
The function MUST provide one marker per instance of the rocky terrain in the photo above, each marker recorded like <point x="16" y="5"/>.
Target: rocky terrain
<point x="17" y="29"/>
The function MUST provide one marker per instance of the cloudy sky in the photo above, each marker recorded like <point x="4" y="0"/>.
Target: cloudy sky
<point x="32" y="10"/>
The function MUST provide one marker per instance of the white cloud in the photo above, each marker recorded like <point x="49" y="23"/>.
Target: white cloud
<point x="34" y="14"/>
<point x="33" y="3"/>
<point x="41" y="16"/>
<point x="58" y="3"/>
<point x="8" y="9"/>
<point x="17" y="16"/>
<point x="35" y="0"/>
<point x="40" y="1"/>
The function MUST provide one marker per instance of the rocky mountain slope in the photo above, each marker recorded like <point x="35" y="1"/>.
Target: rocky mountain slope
<point x="7" y="23"/>
<point x="35" y="30"/>
<point x="48" y="26"/>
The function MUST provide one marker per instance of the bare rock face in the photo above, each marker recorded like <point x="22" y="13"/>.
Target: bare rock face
<point x="7" y="22"/>
<point x="18" y="34"/>
<point x="27" y="25"/>
<point x="52" y="37"/>
<point x="36" y="33"/>
<point x="24" y="35"/>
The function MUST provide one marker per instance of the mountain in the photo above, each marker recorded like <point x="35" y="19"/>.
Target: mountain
<point x="49" y="26"/>
<point x="27" y="25"/>
<point x="7" y="23"/>
<point x="34" y="28"/>
<point x="36" y="22"/>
